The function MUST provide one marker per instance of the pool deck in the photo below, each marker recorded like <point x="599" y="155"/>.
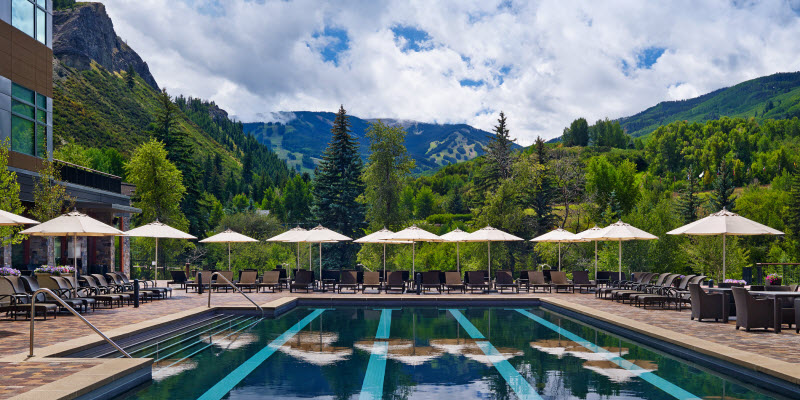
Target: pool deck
<point x="53" y="377"/>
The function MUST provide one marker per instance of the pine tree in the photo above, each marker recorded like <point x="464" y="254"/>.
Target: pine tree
<point x="793" y="207"/>
<point x="543" y="198"/>
<point x="130" y="76"/>
<point x="722" y="190"/>
<point x="337" y="185"/>
<point x="499" y="157"/>
<point x="688" y="201"/>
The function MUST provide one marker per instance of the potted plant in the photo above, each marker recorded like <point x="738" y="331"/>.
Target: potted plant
<point x="774" y="279"/>
<point x="8" y="271"/>
<point x="732" y="283"/>
<point x="46" y="270"/>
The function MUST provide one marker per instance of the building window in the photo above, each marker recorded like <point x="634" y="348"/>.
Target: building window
<point x="30" y="17"/>
<point x="28" y="122"/>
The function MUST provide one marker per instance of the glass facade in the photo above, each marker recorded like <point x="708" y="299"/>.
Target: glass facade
<point x="30" y="16"/>
<point x="28" y="122"/>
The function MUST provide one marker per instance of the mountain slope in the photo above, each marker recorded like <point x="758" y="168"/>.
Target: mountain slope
<point x="302" y="138"/>
<point x="775" y="96"/>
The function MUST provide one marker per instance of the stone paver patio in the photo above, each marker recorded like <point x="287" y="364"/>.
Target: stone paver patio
<point x="14" y="335"/>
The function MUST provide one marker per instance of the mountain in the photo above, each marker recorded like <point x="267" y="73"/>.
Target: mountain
<point x="302" y="136"/>
<point x="775" y="96"/>
<point x="94" y="106"/>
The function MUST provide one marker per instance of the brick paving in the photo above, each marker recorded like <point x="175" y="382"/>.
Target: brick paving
<point x="14" y="335"/>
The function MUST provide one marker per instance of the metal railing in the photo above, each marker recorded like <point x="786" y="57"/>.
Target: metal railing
<point x="72" y="310"/>
<point x="236" y="288"/>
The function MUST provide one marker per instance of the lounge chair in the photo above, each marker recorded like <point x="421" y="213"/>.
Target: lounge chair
<point x="475" y="281"/>
<point x="270" y="280"/>
<point x="536" y="281"/>
<point x="283" y="278"/>
<point x="221" y="283"/>
<point x="196" y="284"/>
<point x="96" y="290"/>
<point x="304" y="280"/>
<point x="152" y="291"/>
<point x="148" y="285"/>
<point x="558" y="280"/>
<point x="330" y="278"/>
<point x="430" y="280"/>
<point x="452" y="281"/>
<point x="623" y="294"/>
<point x="654" y="294"/>
<point x="372" y="280"/>
<point x="580" y="279"/>
<point x="80" y="305"/>
<point x="504" y="280"/>
<point x="87" y="293"/>
<point x="348" y="281"/>
<point x="707" y="305"/>
<point x="248" y="280"/>
<point x="681" y="295"/>
<point x="117" y="289"/>
<point x="396" y="281"/>
<point x="15" y="301"/>
<point x="752" y="312"/>
<point x="178" y="278"/>
<point x="619" y="285"/>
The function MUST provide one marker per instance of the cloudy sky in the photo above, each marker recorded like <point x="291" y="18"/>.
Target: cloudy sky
<point x="544" y="63"/>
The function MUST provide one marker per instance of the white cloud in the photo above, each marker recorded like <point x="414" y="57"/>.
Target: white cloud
<point x="556" y="60"/>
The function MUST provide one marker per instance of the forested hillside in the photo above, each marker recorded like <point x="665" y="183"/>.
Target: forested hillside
<point x="770" y="97"/>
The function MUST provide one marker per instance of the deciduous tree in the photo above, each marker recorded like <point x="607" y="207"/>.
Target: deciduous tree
<point x="388" y="168"/>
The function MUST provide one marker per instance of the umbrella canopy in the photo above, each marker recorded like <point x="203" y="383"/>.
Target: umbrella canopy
<point x="489" y="235"/>
<point x="7" y="218"/>
<point x="621" y="231"/>
<point x="379" y="237"/>
<point x="293" y="235"/>
<point x="589" y="236"/>
<point x="228" y="236"/>
<point x="413" y="234"/>
<point x="321" y="235"/>
<point x="456" y="236"/>
<point x="73" y="224"/>
<point x="559" y="236"/>
<point x="158" y="230"/>
<point x="724" y="223"/>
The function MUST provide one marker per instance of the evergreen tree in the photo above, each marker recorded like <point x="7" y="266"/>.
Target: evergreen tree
<point x="688" y="201"/>
<point x="499" y="156"/>
<point x="337" y="186"/>
<point x="130" y="76"/>
<point x="793" y="207"/>
<point x="389" y="166"/>
<point x="722" y="189"/>
<point x="543" y="198"/>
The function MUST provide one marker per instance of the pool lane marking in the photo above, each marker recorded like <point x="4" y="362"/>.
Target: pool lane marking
<point x="229" y="382"/>
<point x="372" y="388"/>
<point x="657" y="381"/>
<point x="517" y="382"/>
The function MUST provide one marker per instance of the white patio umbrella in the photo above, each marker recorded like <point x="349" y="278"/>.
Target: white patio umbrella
<point x="489" y="235"/>
<point x="228" y="236"/>
<point x="620" y="232"/>
<point x="8" y="219"/>
<point x="413" y="234"/>
<point x="321" y="235"/>
<point x="457" y="236"/>
<point x="73" y="224"/>
<point x="158" y="230"/>
<point x="589" y="235"/>
<point x="725" y="223"/>
<point x="378" y="237"/>
<point x="559" y="236"/>
<point x="294" y="235"/>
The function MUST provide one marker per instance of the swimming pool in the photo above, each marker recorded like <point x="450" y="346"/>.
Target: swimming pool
<point x="420" y="353"/>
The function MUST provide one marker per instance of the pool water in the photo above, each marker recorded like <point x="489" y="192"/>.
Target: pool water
<point x="422" y="353"/>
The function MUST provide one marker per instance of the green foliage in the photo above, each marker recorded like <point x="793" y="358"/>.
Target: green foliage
<point x="107" y="160"/>
<point x="10" y="200"/>
<point x="577" y="134"/>
<point x="130" y="77"/>
<point x="296" y="201"/>
<point x="444" y="219"/>
<point x="159" y="187"/>
<point x="261" y="256"/>
<point x="387" y="169"/>
<point x="612" y="188"/>
<point x="337" y="186"/>
<point x="49" y="198"/>
<point x="63" y="4"/>
<point x="423" y="203"/>
<point x="688" y="202"/>
<point x="499" y="155"/>
<point x="722" y="193"/>
<point x="605" y="133"/>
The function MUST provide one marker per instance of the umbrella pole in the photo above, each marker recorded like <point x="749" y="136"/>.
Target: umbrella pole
<point x="156" y="266"/>
<point x="595" y="259"/>
<point x="489" y="249"/>
<point x="620" y="259"/>
<point x="458" y="259"/>
<point x="413" y="259"/>
<point x="320" y="262"/>
<point x="724" y="251"/>
<point x="74" y="262"/>
<point x="559" y="256"/>
<point x="384" y="262"/>
<point x="310" y="265"/>
<point x="229" y="256"/>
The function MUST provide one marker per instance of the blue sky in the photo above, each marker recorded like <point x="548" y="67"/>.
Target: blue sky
<point x="544" y="63"/>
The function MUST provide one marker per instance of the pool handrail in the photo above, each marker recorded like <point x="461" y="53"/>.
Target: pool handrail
<point x="72" y="310"/>
<point x="236" y="288"/>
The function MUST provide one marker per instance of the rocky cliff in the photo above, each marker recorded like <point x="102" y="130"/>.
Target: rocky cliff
<point x="85" y="33"/>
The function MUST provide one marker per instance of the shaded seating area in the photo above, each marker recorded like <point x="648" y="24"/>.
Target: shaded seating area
<point x="270" y="280"/>
<point x="752" y="313"/>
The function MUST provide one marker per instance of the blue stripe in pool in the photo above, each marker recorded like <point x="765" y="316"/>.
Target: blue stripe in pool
<point x="517" y="382"/>
<point x="372" y="389"/>
<point x="227" y="384"/>
<point x="657" y="381"/>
